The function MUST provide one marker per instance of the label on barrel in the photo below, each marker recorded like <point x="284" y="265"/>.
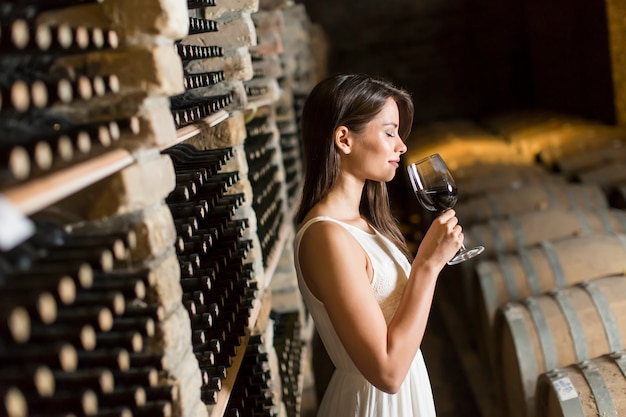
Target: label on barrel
<point x="565" y="388"/>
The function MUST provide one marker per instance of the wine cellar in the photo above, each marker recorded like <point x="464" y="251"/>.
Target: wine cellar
<point x="151" y="169"/>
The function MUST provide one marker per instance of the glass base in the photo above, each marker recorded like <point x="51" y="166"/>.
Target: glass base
<point x="465" y="254"/>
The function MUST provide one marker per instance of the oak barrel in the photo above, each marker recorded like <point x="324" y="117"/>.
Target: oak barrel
<point x="500" y="236"/>
<point x="606" y="176"/>
<point x="555" y="330"/>
<point x="537" y="270"/>
<point x="593" y="388"/>
<point x="529" y="198"/>
<point x="573" y="164"/>
<point x="488" y="178"/>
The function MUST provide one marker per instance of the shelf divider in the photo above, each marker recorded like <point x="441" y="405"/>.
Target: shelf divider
<point x="40" y="193"/>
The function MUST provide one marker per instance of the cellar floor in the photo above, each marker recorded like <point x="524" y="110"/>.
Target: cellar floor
<point x="453" y="396"/>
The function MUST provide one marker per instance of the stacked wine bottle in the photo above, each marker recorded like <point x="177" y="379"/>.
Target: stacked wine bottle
<point x="288" y="345"/>
<point x="195" y="103"/>
<point x="38" y="89"/>
<point x="218" y="284"/>
<point x="77" y="325"/>
<point x="252" y="394"/>
<point x="260" y="147"/>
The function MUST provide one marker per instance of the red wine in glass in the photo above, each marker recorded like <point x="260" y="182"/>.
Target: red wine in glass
<point x="436" y="190"/>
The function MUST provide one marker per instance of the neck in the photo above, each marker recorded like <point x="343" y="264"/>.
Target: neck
<point x="343" y="201"/>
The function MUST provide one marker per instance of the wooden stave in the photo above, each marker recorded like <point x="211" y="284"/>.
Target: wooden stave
<point x="490" y="293"/>
<point x="514" y="322"/>
<point x="530" y="198"/>
<point x="585" y="389"/>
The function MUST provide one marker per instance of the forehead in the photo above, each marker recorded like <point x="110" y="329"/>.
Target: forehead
<point x="389" y="113"/>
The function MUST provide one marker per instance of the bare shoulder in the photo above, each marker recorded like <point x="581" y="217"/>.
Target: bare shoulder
<point x="328" y="249"/>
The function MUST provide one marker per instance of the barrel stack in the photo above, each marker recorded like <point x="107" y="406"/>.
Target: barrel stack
<point x="537" y="317"/>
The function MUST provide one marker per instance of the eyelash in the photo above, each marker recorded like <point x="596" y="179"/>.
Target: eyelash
<point x="390" y="134"/>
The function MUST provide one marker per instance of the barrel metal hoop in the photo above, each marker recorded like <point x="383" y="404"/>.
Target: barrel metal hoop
<point x="567" y="395"/>
<point x="620" y="360"/>
<point x="574" y="325"/>
<point x="555" y="264"/>
<point x="497" y="236"/>
<point x="588" y="198"/>
<point x="604" y="218"/>
<point x="601" y="393"/>
<point x="486" y="281"/>
<point x="518" y="232"/>
<point x="582" y="217"/>
<point x="621" y="237"/>
<point x="611" y="329"/>
<point x="552" y="200"/>
<point x="509" y="277"/>
<point x="529" y="269"/>
<point x="550" y="357"/>
<point x="524" y="350"/>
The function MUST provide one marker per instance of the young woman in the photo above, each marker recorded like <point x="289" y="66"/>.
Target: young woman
<point x="370" y="304"/>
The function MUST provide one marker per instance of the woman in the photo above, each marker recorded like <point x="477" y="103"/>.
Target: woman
<point x="370" y="305"/>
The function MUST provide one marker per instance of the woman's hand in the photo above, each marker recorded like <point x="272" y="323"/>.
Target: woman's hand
<point x="442" y="241"/>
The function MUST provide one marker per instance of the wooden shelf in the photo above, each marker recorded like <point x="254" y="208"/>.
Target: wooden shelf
<point x="40" y="193"/>
<point x="190" y="131"/>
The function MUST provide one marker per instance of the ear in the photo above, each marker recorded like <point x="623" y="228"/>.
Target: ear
<point x="343" y="139"/>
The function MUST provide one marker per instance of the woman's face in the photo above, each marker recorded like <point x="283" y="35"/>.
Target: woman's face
<point x="376" y="151"/>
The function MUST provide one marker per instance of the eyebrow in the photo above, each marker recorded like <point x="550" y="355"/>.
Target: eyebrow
<point x="390" y="124"/>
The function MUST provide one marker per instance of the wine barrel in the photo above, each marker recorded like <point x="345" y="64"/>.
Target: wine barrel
<point x="614" y="152"/>
<point x="529" y="198"/>
<point x="500" y="236"/>
<point x="488" y="178"/>
<point x="554" y="330"/>
<point x="547" y="137"/>
<point x="577" y="139"/>
<point x="537" y="270"/>
<point x="461" y="142"/>
<point x="606" y="176"/>
<point x="593" y="388"/>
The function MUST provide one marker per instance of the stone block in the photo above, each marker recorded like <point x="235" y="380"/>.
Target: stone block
<point x="156" y="124"/>
<point x="230" y="7"/>
<point x="230" y="133"/>
<point x="151" y="68"/>
<point x="233" y="32"/>
<point x="236" y="65"/>
<point x="129" y="18"/>
<point x="268" y="67"/>
<point x="168" y="18"/>
<point x="143" y="184"/>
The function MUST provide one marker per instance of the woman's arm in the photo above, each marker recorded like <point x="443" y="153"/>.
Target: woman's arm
<point x="336" y="270"/>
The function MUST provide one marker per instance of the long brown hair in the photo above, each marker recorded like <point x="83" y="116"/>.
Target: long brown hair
<point x="348" y="100"/>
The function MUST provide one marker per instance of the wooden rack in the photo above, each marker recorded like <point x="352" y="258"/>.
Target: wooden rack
<point x="40" y="193"/>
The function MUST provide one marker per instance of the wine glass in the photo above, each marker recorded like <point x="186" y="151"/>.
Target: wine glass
<point x="436" y="190"/>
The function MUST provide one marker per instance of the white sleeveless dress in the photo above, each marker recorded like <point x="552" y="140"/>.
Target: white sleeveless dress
<point x="349" y="393"/>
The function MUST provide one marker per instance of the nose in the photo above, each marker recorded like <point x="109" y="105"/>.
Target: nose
<point x="402" y="148"/>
